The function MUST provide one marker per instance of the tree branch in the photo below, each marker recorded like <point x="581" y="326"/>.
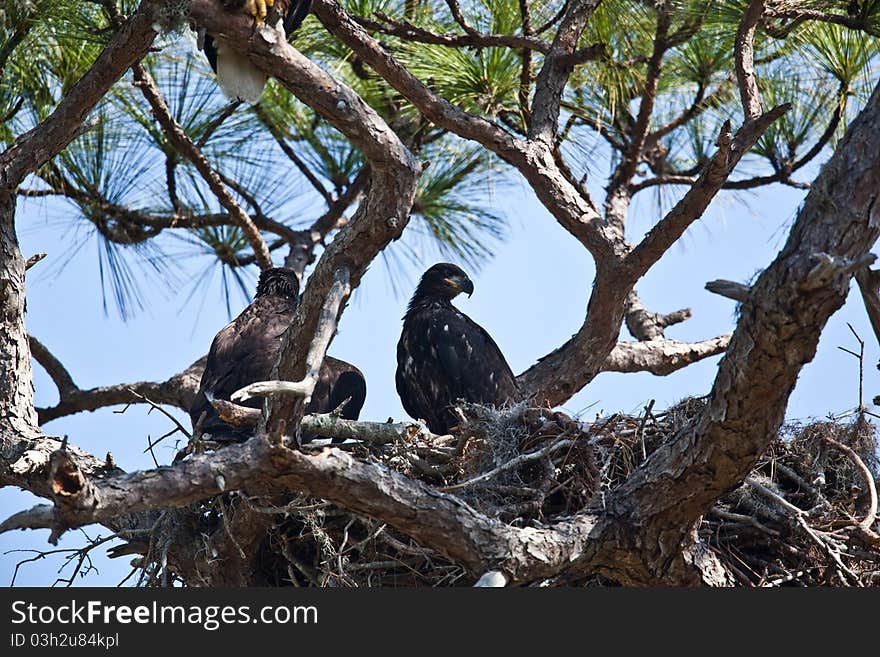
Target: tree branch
<point x="660" y="356"/>
<point x="383" y="213"/>
<point x="59" y="374"/>
<point x="668" y="230"/>
<point x="729" y="289"/>
<point x="644" y="325"/>
<point x="777" y="333"/>
<point x="51" y="136"/>
<point x="473" y="39"/>
<point x="866" y="474"/>
<point x="557" y="67"/>
<point x="179" y="139"/>
<point x="329" y="425"/>
<point x="179" y="391"/>
<point x="293" y="410"/>
<point x="869" y="287"/>
<point x="797" y="16"/>
<point x="279" y="138"/>
<point x="618" y="197"/>
<point x="28" y="152"/>
<point x="572" y="210"/>
<point x="744" y="54"/>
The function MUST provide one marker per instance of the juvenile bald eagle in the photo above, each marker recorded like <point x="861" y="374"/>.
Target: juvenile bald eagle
<point x="239" y="79"/>
<point x="246" y="349"/>
<point x="443" y="355"/>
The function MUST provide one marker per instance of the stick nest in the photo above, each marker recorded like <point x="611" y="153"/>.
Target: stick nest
<point x="803" y="517"/>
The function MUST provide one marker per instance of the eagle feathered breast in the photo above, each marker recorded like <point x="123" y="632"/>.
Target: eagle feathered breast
<point x="443" y="355"/>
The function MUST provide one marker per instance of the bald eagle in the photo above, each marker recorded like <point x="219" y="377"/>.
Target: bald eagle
<point x="443" y="355"/>
<point x="245" y="351"/>
<point x="239" y="79"/>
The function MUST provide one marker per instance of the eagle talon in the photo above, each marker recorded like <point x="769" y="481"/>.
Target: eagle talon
<point x="258" y="8"/>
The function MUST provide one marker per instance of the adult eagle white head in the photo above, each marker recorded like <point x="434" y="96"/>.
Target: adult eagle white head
<point x="239" y="79"/>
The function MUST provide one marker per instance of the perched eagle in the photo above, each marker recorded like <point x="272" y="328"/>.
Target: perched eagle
<point x="239" y="79"/>
<point x="246" y="349"/>
<point x="443" y="355"/>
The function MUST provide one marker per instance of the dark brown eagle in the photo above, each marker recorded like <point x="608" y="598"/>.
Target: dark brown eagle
<point x="239" y="79"/>
<point x="246" y="349"/>
<point x="443" y="355"/>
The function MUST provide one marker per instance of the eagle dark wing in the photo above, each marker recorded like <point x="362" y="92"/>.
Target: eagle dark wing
<point x="444" y="356"/>
<point x="243" y="352"/>
<point x="338" y="382"/>
<point x="294" y="16"/>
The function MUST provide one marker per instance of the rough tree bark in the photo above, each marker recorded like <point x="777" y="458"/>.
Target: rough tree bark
<point x="643" y="532"/>
<point x="18" y="419"/>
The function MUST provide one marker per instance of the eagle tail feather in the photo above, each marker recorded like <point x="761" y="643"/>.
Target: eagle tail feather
<point x="239" y="79"/>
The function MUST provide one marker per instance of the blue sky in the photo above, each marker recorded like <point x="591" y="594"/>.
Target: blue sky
<point x="531" y="296"/>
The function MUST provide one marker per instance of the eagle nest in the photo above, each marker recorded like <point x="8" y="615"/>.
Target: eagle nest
<point x="803" y="517"/>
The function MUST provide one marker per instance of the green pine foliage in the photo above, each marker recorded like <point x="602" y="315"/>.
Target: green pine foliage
<point x="129" y="189"/>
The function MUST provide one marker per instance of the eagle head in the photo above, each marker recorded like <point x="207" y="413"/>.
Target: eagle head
<point x="444" y="280"/>
<point x="278" y="282"/>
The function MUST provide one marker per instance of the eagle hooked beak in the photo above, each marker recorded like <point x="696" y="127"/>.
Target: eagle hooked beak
<point x="464" y="284"/>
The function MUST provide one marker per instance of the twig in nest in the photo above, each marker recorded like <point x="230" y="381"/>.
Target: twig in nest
<point x="869" y="480"/>
<point x="775" y="497"/>
<point x="513" y="463"/>
<point x="641" y="432"/>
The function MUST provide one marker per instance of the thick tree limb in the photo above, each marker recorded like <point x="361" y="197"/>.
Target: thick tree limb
<point x="661" y="356"/>
<point x="178" y="390"/>
<point x="25" y="155"/>
<point x="572" y="210"/>
<point x="668" y="230"/>
<point x="324" y="332"/>
<point x="644" y="325"/>
<point x="60" y="376"/>
<point x="778" y="330"/>
<point x="382" y="214"/>
<point x="34" y="259"/>
<point x="51" y="136"/>
<point x="41" y="516"/>
<point x="744" y="56"/>
<point x="554" y="73"/>
<point x="431" y="517"/>
<point x="329" y="425"/>
<point x="729" y="289"/>
<point x="304" y="388"/>
<point x="869" y="288"/>
<point x="27" y="463"/>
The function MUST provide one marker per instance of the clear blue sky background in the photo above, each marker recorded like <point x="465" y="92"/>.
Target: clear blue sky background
<point x="531" y="296"/>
